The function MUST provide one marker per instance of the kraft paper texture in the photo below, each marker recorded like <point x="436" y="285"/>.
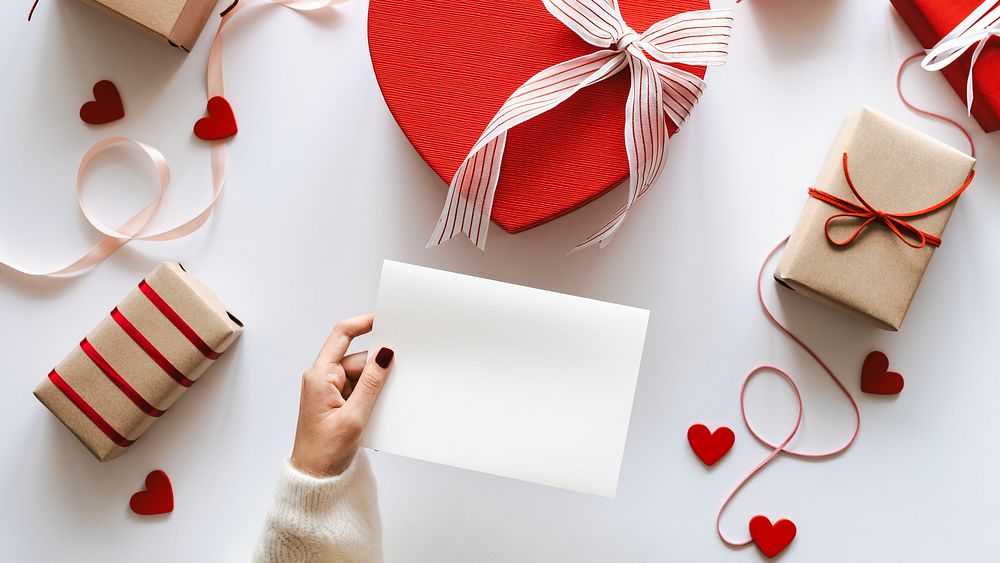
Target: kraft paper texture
<point x="178" y="22"/>
<point x="897" y="169"/>
<point x="195" y="304"/>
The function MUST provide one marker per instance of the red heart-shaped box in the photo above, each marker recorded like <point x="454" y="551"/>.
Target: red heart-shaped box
<point x="446" y="66"/>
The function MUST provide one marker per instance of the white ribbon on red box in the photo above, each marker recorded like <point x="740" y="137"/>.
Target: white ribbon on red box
<point x="658" y="90"/>
<point x="977" y="29"/>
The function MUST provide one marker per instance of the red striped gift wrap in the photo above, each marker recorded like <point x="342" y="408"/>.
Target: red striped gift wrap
<point x="139" y="360"/>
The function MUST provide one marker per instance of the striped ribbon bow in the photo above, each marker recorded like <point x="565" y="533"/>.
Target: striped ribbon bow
<point x="658" y="91"/>
<point x="977" y="29"/>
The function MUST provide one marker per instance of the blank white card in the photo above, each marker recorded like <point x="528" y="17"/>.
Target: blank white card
<point x="505" y="379"/>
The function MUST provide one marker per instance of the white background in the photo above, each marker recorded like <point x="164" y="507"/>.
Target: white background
<point x="323" y="186"/>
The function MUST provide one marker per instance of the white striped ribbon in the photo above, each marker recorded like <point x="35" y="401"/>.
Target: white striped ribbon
<point x="977" y="29"/>
<point x="659" y="91"/>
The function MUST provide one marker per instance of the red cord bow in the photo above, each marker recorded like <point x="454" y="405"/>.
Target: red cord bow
<point x="912" y="236"/>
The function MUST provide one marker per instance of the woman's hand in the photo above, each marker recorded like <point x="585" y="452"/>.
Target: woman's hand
<point x="338" y="394"/>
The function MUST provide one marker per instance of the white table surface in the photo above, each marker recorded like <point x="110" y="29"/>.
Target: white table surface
<point x="324" y="185"/>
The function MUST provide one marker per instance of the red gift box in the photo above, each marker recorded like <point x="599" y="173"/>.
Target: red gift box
<point x="446" y="66"/>
<point x="930" y="20"/>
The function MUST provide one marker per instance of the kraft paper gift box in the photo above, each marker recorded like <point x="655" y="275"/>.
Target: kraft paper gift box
<point x="177" y="22"/>
<point x="140" y="359"/>
<point x="897" y="170"/>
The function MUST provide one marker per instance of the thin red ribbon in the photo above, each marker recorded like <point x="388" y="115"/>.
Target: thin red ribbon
<point x="149" y="349"/>
<point x="177" y="321"/>
<point x="868" y="214"/>
<point x="931" y="114"/>
<point x="115" y="238"/>
<point x="118" y="380"/>
<point x="89" y="411"/>
<point x="782" y="447"/>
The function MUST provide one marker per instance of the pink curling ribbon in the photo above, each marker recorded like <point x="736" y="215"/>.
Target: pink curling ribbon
<point x="658" y="91"/>
<point x="131" y="229"/>
<point x="116" y="237"/>
<point x="782" y="447"/>
<point x="213" y="76"/>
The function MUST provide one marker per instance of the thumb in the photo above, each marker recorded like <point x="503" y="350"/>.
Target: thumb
<point x="370" y="382"/>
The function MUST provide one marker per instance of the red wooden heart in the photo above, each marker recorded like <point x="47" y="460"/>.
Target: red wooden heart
<point x="158" y="498"/>
<point x="446" y="66"/>
<point x="710" y="446"/>
<point x="771" y="539"/>
<point x="220" y="123"/>
<point x="105" y="107"/>
<point x="876" y="377"/>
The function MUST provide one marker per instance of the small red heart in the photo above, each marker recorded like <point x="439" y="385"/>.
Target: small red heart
<point x="876" y="377"/>
<point x="106" y="106"/>
<point x="158" y="498"/>
<point x="771" y="538"/>
<point x="220" y="122"/>
<point x="710" y="446"/>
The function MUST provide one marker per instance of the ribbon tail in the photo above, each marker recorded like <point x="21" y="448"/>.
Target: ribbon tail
<point x="910" y="235"/>
<point x="113" y="237"/>
<point x="94" y="256"/>
<point x="969" y="95"/>
<point x="219" y="159"/>
<point x="602" y="236"/>
<point x="116" y="237"/>
<point x="961" y="37"/>
<point x="646" y="143"/>
<point x="976" y="29"/>
<point x="699" y="38"/>
<point x="214" y="83"/>
<point x="470" y="197"/>
<point x="681" y="91"/>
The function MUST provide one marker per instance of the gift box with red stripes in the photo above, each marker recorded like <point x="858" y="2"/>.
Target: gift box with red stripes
<point x="140" y="359"/>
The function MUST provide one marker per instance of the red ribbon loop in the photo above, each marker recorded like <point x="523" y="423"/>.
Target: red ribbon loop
<point x="867" y="214"/>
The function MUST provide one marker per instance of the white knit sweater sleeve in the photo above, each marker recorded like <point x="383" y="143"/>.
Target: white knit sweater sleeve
<point x="323" y="519"/>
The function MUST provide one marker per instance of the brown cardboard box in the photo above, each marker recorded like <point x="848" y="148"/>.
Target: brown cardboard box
<point x="178" y="22"/>
<point x="898" y="170"/>
<point x="139" y="360"/>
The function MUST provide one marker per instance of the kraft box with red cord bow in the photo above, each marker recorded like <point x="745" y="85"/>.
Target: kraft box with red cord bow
<point x="176" y="22"/>
<point x="141" y="358"/>
<point x="874" y="218"/>
<point x="932" y="20"/>
<point x="447" y="67"/>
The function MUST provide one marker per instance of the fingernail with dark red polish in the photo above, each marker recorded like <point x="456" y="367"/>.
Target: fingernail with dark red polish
<point x="383" y="357"/>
